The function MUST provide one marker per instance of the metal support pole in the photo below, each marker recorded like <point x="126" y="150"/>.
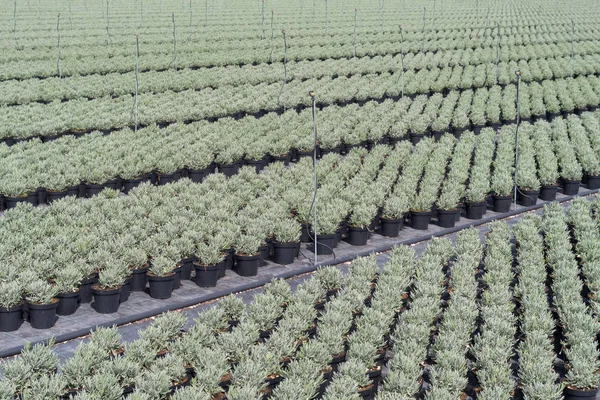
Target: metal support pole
<point x="137" y="69"/>
<point x="518" y="73"/>
<point x="58" y="37"/>
<point x="572" y="40"/>
<point x="314" y="115"/>
<point x="355" y="12"/>
<point x="497" y="54"/>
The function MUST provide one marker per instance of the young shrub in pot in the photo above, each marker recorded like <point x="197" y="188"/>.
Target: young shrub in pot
<point x="11" y="306"/>
<point x="107" y="293"/>
<point x="42" y="304"/>
<point x="210" y="261"/>
<point x="247" y="254"/>
<point x="447" y="204"/>
<point x="161" y="276"/>
<point x="67" y="281"/>
<point x="287" y="241"/>
<point x="137" y="260"/>
<point x="360" y="219"/>
<point x="394" y="211"/>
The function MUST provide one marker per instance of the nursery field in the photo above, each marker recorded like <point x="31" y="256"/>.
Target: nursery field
<point x="510" y="316"/>
<point x="157" y="147"/>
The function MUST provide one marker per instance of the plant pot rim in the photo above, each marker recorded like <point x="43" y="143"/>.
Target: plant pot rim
<point x="211" y="267"/>
<point x="248" y="255"/>
<point x="392" y="219"/>
<point x="151" y="275"/>
<point x="12" y="308"/>
<point x="69" y="294"/>
<point x="421" y="212"/>
<point x="52" y="302"/>
<point x="448" y="211"/>
<point x="97" y="288"/>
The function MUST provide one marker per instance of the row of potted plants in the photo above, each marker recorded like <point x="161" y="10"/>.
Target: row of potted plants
<point x="415" y="321"/>
<point x="493" y="346"/>
<point x="447" y="363"/>
<point x="537" y="376"/>
<point x="579" y="327"/>
<point x="560" y="95"/>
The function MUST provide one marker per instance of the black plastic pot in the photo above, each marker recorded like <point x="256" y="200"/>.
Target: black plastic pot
<point x="139" y="279"/>
<point x="284" y="158"/>
<point x="575" y="394"/>
<point x="284" y="253"/>
<point x="52" y="196"/>
<point x="164" y="179"/>
<point x="92" y="190"/>
<point x="126" y="290"/>
<point x="85" y="289"/>
<point x="420" y="219"/>
<point x="437" y="135"/>
<point x="335" y="150"/>
<point x="446" y="218"/>
<point x="459" y="211"/>
<point x="368" y="392"/>
<point x="571" y="188"/>
<point x="263" y="254"/>
<point x="391" y="227"/>
<point x="42" y="316"/>
<point x="395" y="140"/>
<point x="527" y="198"/>
<point x="161" y="287"/>
<point x="548" y="193"/>
<point x="416" y="138"/>
<point x="106" y="301"/>
<point x="207" y="275"/>
<point x="68" y="303"/>
<point x="357" y="236"/>
<point x="11" y="202"/>
<point x="187" y="265"/>
<point x="325" y="244"/>
<point x="222" y="268"/>
<point x="230" y="169"/>
<point x="197" y="175"/>
<point x="247" y="265"/>
<point x="502" y="203"/>
<point x="229" y="258"/>
<point x="177" y="278"/>
<point x="475" y="210"/>
<point x="593" y="182"/>
<point x="129" y="184"/>
<point x="258" y="164"/>
<point x="11" y="318"/>
<point x="305" y="236"/>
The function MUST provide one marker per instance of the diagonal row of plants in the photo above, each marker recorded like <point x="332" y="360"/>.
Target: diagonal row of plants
<point x="107" y="113"/>
<point x="535" y="62"/>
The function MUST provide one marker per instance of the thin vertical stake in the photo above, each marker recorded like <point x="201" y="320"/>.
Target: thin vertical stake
<point x="262" y="35"/>
<point x="497" y="54"/>
<point x="518" y="73"/>
<point x="15" y="25"/>
<point x="314" y="114"/>
<point x="572" y="41"/>
<point x="174" y="41"/>
<point x="137" y="69"/>
<point x="58" y="36"/>
<point x="355" y="12"/>
<point x="107" y="24"/>
<point x="272" y="36"/>
<point x="284" y="88"/>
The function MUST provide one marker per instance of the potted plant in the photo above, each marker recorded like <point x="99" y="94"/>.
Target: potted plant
<point x="107" y="292"/>
<point x="208" y="266"/>
<point x="184" y="246"/>
<point x="547" y="163"/>
<point x="41" y="304"/>
<point x="161" y="277"/>
<point x="418" y="128"/>
<point x="11" y="306"/>
<point x="394" y="211"/>
<point x="137" y="260"/>
<point x="475" y="196"/>
<point x="256" y="155"/>
<point x="527" y="180"/>
<point x="19" y="192"/>
<point x="168" y="170"/>
<point x="99" y="178"/>
<point x="229" y="160"/>
<point x="327" y="227"/>
<point x="247" y="254"/>
<point x="358" y="225"/>
<point x="447" y="204"/>
<point x="502" y="187"/>
<point x="287" y="241"/>
<point x="199" y="165"/>
<point x="67" y="280"/>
